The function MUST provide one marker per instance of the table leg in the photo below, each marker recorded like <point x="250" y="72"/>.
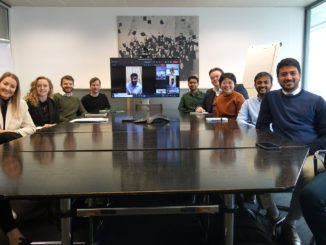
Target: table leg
<point x="229" y="219"/>
<point x="66" y="234"/>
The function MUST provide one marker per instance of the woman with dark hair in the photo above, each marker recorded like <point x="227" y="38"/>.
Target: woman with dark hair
<point x="41" y="106"/>
<point x="229" y="103"/>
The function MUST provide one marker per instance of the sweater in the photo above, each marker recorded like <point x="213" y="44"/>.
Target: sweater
<point x="301" y="117"/>
<point x="94" y="104"/>
<point x="69" y="107"/>
<point x="207" y="102"/>
<point x="228" y="105"/>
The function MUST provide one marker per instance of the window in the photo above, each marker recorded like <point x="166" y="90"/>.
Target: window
<point x="315" y="49"/>
<point x="4" y="23"/>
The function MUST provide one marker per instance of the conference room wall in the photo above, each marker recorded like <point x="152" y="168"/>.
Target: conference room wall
<point x="55" y="41"/>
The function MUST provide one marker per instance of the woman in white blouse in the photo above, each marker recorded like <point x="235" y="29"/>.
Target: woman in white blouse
<point x="15" y="122"/>
<point x="14" y="116"/>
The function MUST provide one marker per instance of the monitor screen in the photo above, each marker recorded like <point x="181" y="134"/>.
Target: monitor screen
<point x="145" y="77"/>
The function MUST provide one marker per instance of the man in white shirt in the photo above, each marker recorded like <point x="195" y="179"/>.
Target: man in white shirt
<point x="134" y="87"/>
<point x="250" y="108"/>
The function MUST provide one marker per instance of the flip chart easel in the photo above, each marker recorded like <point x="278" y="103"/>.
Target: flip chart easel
<point x="260" y="58"/>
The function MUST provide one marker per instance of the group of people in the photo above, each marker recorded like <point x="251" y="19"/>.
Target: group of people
<point x="290" y="112"/>
<point x="40" y="108"/>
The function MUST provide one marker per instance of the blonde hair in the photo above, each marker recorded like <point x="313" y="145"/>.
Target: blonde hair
<point x="15" y="99"/>
<point x="32" y="95"/>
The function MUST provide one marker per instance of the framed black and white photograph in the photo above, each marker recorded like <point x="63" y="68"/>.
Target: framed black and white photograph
<point x="161" y="37"/>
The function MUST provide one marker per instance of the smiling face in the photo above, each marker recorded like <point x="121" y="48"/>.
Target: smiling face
<point x="227" y="85"/>
<point x="8" y="88"/>
<point x="215" y="78"/>
<point x="289" y="78"/>
<point x="263" y="85"/>
<point x="67" y="86"/>
<point x="42" y="87"/>
<point x="193" y="84"/>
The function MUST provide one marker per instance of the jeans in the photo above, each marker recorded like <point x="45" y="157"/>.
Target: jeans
<point x="313" y="205"/>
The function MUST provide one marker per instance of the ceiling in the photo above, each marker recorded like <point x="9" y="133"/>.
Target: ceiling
<point x="160" y="3"/>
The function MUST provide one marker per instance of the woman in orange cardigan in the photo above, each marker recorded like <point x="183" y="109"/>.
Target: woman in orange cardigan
<point x="229" y="102"/>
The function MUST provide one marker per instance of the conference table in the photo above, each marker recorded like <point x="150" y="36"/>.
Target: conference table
<point x="185" y="156"/>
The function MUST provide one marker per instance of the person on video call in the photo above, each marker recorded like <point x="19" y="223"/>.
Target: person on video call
<point x="134" y="87"/>
<point x="172" y="83"/>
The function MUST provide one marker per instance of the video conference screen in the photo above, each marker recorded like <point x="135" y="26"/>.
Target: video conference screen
<point x="145" y="77"/>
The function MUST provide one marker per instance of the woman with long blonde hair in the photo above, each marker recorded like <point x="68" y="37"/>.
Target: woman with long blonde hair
<point x="41" y="106"/>
<point x="15" y="120"/>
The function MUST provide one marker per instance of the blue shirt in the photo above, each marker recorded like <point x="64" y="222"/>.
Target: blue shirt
<point x="249" y="111"/>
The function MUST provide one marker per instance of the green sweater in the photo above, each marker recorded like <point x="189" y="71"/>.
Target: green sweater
<point x="189" y="103"/>
<point x="69" y="107"/>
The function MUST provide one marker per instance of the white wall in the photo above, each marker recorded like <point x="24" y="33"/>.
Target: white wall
<point x="55" y="41"/>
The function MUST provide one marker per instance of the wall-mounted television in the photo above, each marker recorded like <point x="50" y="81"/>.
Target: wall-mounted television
<point x="145" y="77"/>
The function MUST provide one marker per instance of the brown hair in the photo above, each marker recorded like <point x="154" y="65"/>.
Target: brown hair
<point x="15" y="99"/>
<point x="67" y="77"/>
<point x="94" y="79"/>
<point x="32" y="95"/>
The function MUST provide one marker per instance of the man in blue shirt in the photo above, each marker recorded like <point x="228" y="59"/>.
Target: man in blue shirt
<point x="301" y="117"/>
<point x="250" y="108"/>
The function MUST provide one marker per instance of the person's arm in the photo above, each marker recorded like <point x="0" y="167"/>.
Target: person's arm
<point x="243" y="115"/>
<point x="27" y="126"/>
<point x="84" y="103"/>
<point x="320" y="126"/>
<point x="240" y="101"/>
<point x="265" y="116"/>
<point x="106" y="101"/>
<point x="182" y="106"/>
<point x="81" y="110"/>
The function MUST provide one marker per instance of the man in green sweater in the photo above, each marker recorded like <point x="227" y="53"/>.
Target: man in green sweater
<point x="69" y="106"/>
<point x="189" y="101"/>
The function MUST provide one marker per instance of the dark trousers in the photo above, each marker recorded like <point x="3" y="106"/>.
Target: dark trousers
<point x="7" y="222"/>
<point x="313" y="205"/>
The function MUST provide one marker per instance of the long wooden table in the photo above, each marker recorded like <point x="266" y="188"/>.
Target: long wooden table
<point x="185" y="156"/>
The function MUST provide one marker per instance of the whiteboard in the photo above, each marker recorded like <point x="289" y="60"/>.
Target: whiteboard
<point x="260" y="58"/>
<point x="6" y="58"/>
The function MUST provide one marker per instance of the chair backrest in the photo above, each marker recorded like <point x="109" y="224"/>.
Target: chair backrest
<point x="319" y="156"/>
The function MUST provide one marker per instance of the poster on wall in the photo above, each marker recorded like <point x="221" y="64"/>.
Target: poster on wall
<point x="161" y="37"/>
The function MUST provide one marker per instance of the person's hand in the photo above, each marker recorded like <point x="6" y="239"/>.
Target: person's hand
<point x="5" y="130"/>
<point x="49" y="125"/>
<point x="200" y="109"/>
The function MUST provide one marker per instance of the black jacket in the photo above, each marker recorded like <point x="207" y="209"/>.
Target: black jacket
<point x="36" y="113"/>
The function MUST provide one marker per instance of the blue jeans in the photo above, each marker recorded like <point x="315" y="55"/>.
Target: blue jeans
<point x="313" y="205"/>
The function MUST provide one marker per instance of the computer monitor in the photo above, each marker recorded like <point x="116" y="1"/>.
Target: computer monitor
<point x="145" y="77"/>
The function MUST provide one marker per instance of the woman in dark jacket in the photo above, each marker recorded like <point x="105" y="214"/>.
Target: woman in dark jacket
<point x="41" y="106"/>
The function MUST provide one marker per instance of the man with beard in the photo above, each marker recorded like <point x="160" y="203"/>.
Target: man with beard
<point x="69" y="106"/>
<point x="301" y="117"/>
<point x="189" y="101"/>
<point x="250" y="108"/>
<point x="134" y="87"/>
